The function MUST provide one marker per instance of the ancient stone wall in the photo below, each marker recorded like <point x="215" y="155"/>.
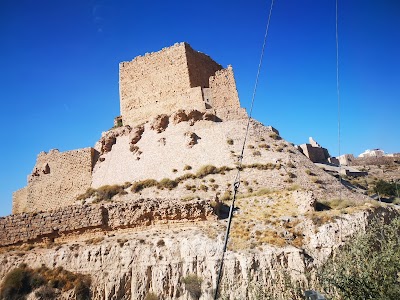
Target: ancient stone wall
<point x="20" y="199"/>
<point x="31" y="227"/>
<point x="163" y="82"/>
<point x="200" y="67"/>
<point x="57" y="179"/>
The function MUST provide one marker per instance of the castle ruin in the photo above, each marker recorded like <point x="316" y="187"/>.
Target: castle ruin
<point x="163" y="82"/>
<point x="176" y="78"/>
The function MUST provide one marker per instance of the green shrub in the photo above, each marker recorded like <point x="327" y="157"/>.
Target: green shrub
<point x="105" y="192"/>
<point x="167" y="183"/>
<point x="206" y="170"/>
<point x="137" y="186"/>
<point x="385" y="188"/>
<point x="274" y="136"/>
<point x="367" y="267"/>
<point x="193" y="285"/>
<point x="203" y="187"/>
<point x="16" y="284"/>
<point x="89" y="193"/>
<point x="265" y="146"/>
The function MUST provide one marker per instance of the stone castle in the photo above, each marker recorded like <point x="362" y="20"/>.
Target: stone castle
<point x="163" y="82"/>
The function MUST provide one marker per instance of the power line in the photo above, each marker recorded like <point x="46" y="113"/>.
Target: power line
<point x="338" y="95"/>
<point x="240" y="159"/>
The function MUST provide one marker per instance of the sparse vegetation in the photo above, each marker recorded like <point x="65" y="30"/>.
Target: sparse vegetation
<point x="367" y="267"/>
<point x="103" y="193"/>
<point x="140" y="185"/>
<point x="274" y="136"/>
<point x="22" y="280"/>
<point x="256" y="153"/>
<point x="160" y="243"/>
<point x="187" y="167"/>
<point x="193" y="285"/>
<point x="265" y="146"/>
<point x="151" y="296"/>
<point x="167" y="183"/>
<point x="385" y="188"/>
<point x="229" y="141"/>
<point x="290" y="165"/>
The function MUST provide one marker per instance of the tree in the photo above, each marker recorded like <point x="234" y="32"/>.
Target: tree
<point x="366" y="268"/>
<point x="385" y="188"/>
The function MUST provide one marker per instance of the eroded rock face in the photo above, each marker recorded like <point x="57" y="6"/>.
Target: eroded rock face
<point x="305" y="201"/>
<point x="179" y="116"/>
<point x="109" y="138"/>
<point x="136" y="134"/>
<point x="129" y="264"/>
<point x="191" y="139"/>
<point x="160" y="123"/>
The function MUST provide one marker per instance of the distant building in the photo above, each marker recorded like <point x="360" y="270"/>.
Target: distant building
<point x="372" y="153"/>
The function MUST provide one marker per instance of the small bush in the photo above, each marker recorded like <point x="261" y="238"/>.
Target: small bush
<point x="187" y="167"/>
<point x="151" y="296"/>
<point x="106" y="192"/>
<point x="46" y="293"/>
<point x="256" y="153"/>
<point x="250" y="146"/>
<point x="203" y="187"/>
<point x="265" y="146"/>
<point x="174" y="170"/>
<point x="290" y="165"/>
<point x="167" y="183"/>
<point x="229" y="141"/>
<point x="206" y="170"/>
<point x="274" y="136"/>
<point x="160" y="243"/>
<point x="291" y="175"/>
<point x="193" y="285"/>
<point x="82" y="288"/>
<point x="308" y="172"/>
<point x="140" y="185"/>
<point x="16" y="284"/>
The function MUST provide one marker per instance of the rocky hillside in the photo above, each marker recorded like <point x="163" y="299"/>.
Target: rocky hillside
<point x="289" y="215"/>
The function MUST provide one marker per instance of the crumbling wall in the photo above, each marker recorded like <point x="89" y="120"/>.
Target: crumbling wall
<point x="163" y="82"/>
<point x="32" y="227"/>
<point x="57" y="179"/>
<point x="224" y="95"/>
<point x="20" y="199"/>
<point x="200" y="67"/>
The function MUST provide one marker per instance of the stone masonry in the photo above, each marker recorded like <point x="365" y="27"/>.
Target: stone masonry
<point x="32" y="227"/>
<point x="176" y="78"/>
<point x="56" y="180"/>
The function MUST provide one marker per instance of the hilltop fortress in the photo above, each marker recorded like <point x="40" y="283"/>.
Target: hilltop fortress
<point x="174" y="80"/>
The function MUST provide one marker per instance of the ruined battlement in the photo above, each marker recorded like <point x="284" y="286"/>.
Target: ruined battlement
<point x="175" y="78"/>
<point x="56" y="180"/>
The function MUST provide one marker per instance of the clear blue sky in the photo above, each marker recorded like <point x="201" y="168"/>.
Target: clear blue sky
<point x="59" y="69"/>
